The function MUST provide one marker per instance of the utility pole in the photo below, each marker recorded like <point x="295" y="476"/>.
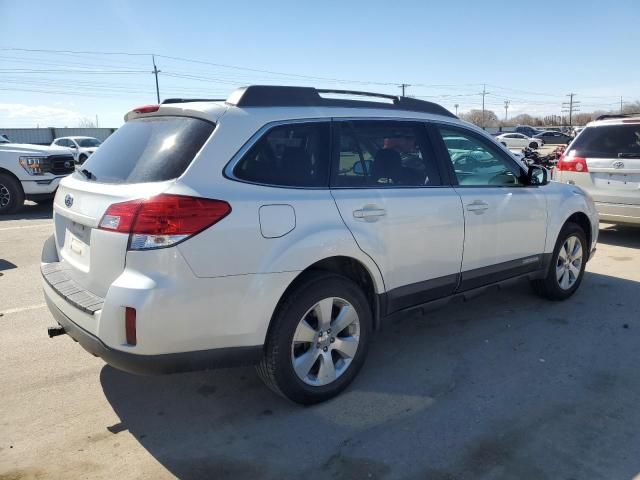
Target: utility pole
<point x="403" y="86"/>
<point x="620" y="104"/>
<point x="97" y="124"/>
<point x="456" y="107"/>
<point x="155" y="72"/>
<point x="570" y="107"/>
<point x="484" y="93"/>
<point x="506" y="107"/>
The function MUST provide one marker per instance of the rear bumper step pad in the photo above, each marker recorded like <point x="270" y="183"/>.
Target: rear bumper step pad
<point x="59" y="280"/>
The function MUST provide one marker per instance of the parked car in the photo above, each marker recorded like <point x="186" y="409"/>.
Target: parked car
<point x="553" y="138"/>
<point x="518" y="140"/>
<point x="287" y="237"/>
<point x="604" y="160"/>
<point x="527" y="130"/>
<point x="82" y="147"/>
<point x="30" y="172"/>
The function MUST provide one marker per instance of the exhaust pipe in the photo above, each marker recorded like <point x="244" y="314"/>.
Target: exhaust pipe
<point x="55" y="331"/>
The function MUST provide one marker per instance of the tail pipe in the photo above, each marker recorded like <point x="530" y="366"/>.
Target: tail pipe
<point x="55" y="331"/>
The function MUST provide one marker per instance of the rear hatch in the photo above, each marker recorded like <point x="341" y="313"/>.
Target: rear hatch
<point x="141" y="159"/>
<point x="612" y="155"/>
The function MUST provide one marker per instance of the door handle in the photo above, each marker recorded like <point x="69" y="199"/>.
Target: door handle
<point x="477" y="206"/>
<point x="369" y="213"/>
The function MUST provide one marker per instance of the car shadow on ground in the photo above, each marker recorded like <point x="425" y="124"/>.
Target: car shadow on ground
<point x="31" y="211"/>
<point x="506" y="385"/>
<point x="620" y="235"/>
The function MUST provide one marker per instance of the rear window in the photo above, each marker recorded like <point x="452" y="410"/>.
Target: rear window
<point x="611" y="141"/>
<point x="150" y="149"/>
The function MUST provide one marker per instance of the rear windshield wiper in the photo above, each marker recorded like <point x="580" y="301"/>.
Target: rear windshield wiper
<point x="629" y="155"/>
<point x="88" y="174"/>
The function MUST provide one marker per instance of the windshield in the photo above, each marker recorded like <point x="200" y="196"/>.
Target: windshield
<point x="88" y="142"/>
<point x="150" y="149"/>
<point x="610" y="141"/>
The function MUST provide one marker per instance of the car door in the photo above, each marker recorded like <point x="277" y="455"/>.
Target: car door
<point x="391" y="193"/>
<point x="522" y="140"/>
<point x="505" y="220"/>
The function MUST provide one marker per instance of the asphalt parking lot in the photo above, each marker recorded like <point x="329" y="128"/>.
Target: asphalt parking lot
<point x="504" y="386"/>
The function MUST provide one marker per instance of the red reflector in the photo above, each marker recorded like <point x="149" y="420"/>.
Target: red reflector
<point x="572" y="164"/>
<point x="164" y="214"/>
<point x="147" y="109"/>
<point x="130" y="325"/>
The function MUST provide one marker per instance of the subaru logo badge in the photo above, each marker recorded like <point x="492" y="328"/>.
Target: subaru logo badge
<point x="618" y="164"/>
<point x="68" y="200"/>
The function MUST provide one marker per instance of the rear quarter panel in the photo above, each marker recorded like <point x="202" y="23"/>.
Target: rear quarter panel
<point x="563" y="201"/>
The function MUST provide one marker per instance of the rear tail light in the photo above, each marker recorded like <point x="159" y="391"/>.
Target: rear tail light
<point x="163" y="220"/>
<point x="572" y="164"/>
<point x="130" y="325"/>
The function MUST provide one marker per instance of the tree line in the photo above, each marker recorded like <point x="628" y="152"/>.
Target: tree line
<point x="491" y="119"/>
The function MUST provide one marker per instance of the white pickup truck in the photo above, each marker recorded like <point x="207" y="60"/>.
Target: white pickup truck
<point x="30" y="172"/>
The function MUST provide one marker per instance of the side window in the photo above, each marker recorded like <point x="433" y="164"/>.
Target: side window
<point x="295" y="155"/>
<point x="476" y="162"/>
<point x="62" y="143"/>
<point x="384" y="154"/>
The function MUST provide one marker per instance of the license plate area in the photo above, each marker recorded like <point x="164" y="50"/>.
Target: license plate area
<point x="77" y="241"/>
<point x="617" y="181"/>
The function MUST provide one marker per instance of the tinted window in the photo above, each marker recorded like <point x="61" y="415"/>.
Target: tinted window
<point x="295" y="155"/>
<point x="608" y="141"/>
<point x="148" y="150"/>
<point x="88" y="142"/>
<point x="384" y="154"/>
<point x="476" y="161"/>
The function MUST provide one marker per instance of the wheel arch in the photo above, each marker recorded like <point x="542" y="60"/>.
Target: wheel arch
<point x="581" y="219"/>
<point x="11" y="174"/>
<point x="346" y="266"/>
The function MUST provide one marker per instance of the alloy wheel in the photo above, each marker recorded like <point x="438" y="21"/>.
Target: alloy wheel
<point x="325" y="341"/>
<point x="569" y="262"/>
<point x="5" y="196"/>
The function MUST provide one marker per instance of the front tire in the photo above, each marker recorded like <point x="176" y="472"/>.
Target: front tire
<point x="11" y="194"/>
<point x="318" y="339"/>
<point x="567" y="265"/>
<point x="533" y="145"/>
<point x="82" y="159"/>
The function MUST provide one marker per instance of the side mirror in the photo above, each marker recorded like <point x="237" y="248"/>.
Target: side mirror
<point x="537" y="175"/>
<point x="363" y="167"/>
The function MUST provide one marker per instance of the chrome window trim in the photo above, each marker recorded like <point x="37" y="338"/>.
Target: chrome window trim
<point x="227" y="171"/>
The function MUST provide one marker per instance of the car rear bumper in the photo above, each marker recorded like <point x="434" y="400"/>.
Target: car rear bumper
<point x="619" y="213"/>
<point x="156" y="364"/>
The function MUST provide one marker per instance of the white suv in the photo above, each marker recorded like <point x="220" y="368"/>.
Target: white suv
<point x="604" y="160"/>
<point x="282" y="226"/>
<point x="30" y="172"/>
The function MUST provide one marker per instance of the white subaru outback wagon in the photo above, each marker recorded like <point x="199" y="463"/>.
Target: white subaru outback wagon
<point x="282" y="226"/>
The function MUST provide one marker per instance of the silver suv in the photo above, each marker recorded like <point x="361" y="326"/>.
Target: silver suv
<point x="282" y="226"/>
<point x="604" y="160"/>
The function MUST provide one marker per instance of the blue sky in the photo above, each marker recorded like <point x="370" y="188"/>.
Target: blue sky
<point x="531" y="53"/>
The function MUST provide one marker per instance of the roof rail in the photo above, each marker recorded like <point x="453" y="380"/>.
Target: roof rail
<point x="617" y="115"/>
<point x="282" y="96"/>
<point x="188" y="100"/>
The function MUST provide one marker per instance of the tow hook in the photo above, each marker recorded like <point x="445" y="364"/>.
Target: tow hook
<point x="55" y="331"/>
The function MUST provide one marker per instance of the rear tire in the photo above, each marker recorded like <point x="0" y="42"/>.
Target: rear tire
<point x="568" y="262"/>
<point x="11" y="194"/>
<point x="304" y="360"/>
